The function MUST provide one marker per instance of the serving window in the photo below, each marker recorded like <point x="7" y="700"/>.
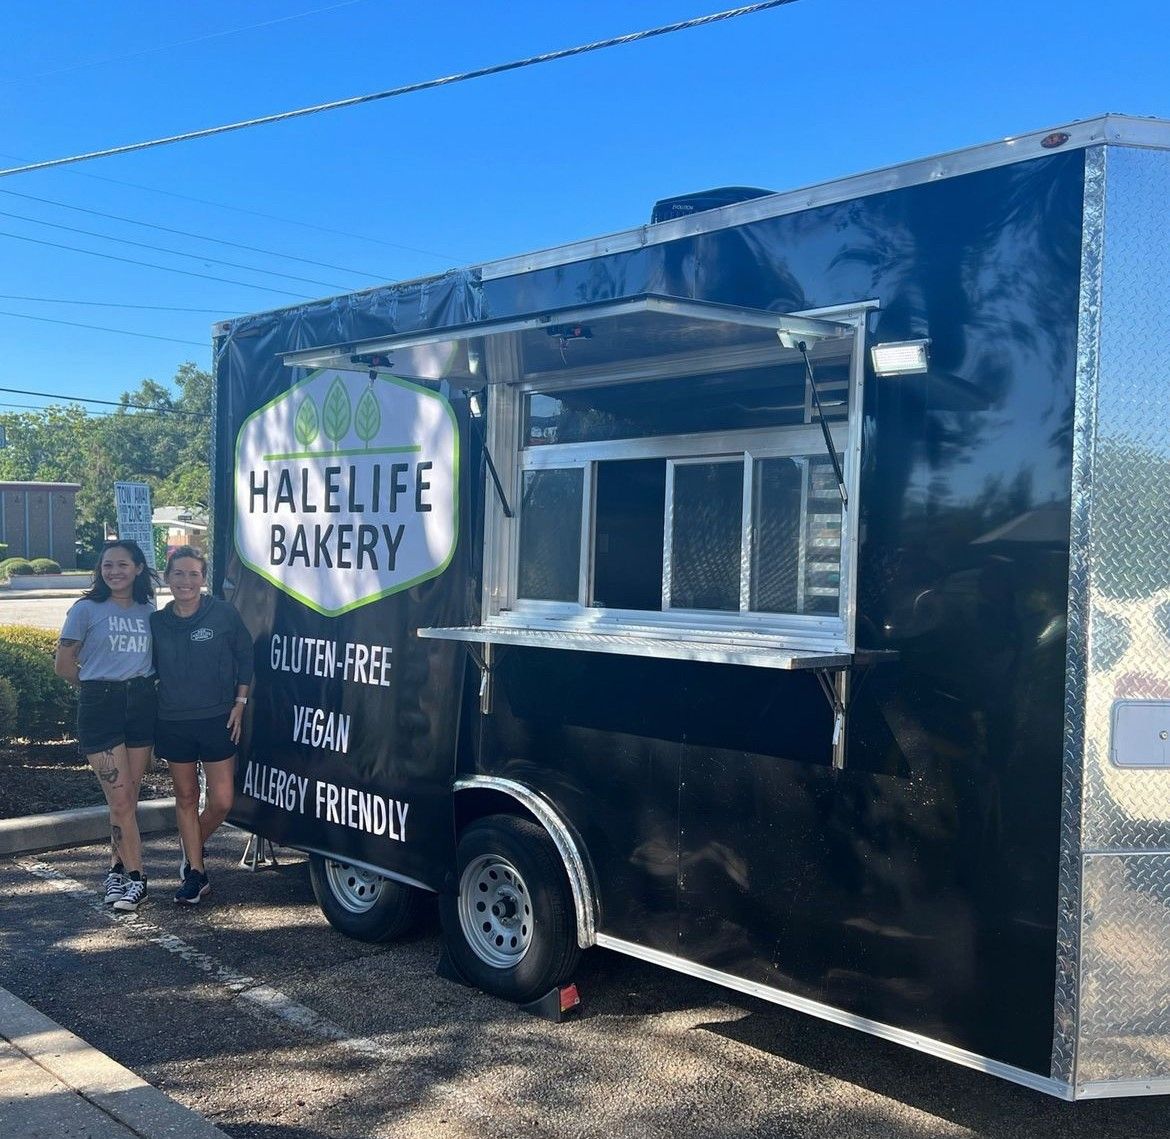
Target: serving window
<point x="699" y="504"/>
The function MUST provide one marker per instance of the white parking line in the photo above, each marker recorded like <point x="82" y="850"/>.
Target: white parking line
<point x="260" y="998"/>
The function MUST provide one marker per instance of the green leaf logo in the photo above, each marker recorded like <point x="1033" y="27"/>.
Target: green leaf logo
<point x="307" y="423"/>
<point x="337" y="412"/>
<point x="368" y="417"/>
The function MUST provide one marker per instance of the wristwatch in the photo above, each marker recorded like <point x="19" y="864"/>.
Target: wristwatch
<point x="241" y="700"/>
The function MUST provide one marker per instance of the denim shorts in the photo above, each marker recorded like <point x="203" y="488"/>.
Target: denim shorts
<point x="113" y="712"/>
<point x="189" y="741"/>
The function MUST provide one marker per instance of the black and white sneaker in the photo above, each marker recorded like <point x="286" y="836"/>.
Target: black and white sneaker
<point x="133" y="893"/>
<point x="114" y="886"/>
<point x="194" y="889"/>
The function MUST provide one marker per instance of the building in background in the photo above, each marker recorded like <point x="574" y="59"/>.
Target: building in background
<point x="185" y="526"/>
<point x="39" y="520"/>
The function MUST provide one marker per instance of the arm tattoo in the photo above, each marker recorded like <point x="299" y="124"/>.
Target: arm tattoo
<point x="116" y="840"/>
<point x="106" y="768"/>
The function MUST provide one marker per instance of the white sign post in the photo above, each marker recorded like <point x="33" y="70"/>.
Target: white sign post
<point x="132" y="500"/>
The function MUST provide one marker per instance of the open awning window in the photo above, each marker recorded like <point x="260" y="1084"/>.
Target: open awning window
<point x="579" y="339"/>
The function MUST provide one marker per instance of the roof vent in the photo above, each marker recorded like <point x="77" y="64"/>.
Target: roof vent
<point x="667" y="209"/>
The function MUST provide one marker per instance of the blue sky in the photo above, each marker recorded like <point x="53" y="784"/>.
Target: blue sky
<point x="489" y="168"/>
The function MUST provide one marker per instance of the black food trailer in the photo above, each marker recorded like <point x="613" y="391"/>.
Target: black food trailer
<point x="779" y="593"/>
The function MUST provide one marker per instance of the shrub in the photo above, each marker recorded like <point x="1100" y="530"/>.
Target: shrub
<point x="8" y="708"/>
<point x="44" y="702"/>
<point x="43" y="640"/>
<point x="16" y="567"/>
<point x="45" y="565"/>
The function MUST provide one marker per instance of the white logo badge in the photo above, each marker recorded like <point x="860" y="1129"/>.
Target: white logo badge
<point x="346" y="489"/>
<point x="202" y="634"/>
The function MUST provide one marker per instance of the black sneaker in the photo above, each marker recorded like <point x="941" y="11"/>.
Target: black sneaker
<point x="184" y="865"/>
<point x="133" y="892"/>
<point x="194" y="889"/>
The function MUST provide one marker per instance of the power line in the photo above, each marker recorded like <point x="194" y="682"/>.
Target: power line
<point x="94" y="414"/>
<point x="150" y="265"/>
<point x="196" y="236"/>
<point x="180" y="43"/>
<point x="99" y="328"/>
<point x="109" y="402"/>
<point x="172" y="252"/>
<point x="115" y="304"/>
<point x="410" y="88"/>
<point x="448" y="258"/>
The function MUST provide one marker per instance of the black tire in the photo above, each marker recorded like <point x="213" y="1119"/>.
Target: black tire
<point x="510" y="927"/>
<point x="361" y="904"/>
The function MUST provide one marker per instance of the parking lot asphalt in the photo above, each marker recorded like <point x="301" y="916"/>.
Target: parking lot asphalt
<point x="254" y="1012"/>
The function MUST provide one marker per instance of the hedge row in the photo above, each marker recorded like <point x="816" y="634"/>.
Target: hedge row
<point x="35" y="703"/>
<point x="22" y="567"/>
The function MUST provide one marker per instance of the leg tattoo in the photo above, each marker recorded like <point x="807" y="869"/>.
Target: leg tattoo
<point x="106" y="768"/>
<point x="116" y="841"/>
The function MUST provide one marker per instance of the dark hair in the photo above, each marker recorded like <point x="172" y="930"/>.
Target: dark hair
<point x="143" y="588"/>
<point x="186" y="552"/>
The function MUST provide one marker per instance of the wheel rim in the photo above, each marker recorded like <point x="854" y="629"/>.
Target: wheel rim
<point x="495" y="911"/>
<point x="355" y="889"/>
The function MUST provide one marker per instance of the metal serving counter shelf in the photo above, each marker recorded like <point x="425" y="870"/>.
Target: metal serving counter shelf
<point x="742" y="652"/>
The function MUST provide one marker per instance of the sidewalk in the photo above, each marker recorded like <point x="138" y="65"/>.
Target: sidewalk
<point x="53" y="1085"/>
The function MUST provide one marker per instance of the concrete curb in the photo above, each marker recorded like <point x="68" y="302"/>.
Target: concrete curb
<point x="104" y="1083"/>
<point x="30" y="833"/>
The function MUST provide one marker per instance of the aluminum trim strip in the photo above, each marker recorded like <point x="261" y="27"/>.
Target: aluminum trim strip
<point x="838" y="1016"/>
<point x="1115" y="1089"/>
<point x="726" y="652"/>
<point x="558" y="831"/>
<point x="1066" y="1008"/>
<point x="1114" y="129"/>
<point x="381" y="871"/>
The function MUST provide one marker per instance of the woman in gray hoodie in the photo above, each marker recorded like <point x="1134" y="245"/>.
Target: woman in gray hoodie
<point x="203" y="657"/>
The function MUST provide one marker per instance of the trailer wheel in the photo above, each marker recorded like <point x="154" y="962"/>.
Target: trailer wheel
<point x="360" y="903"/>
<point x="510" y="929"/>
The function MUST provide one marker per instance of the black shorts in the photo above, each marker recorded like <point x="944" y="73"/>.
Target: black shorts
<point x="113" y="712"/>
<point x="190" y="741"/>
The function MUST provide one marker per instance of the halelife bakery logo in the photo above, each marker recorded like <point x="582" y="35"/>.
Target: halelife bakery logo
<point x="346" y="489"/>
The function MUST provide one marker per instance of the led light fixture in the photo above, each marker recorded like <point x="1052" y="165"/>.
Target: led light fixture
<point x="904" y="358"/>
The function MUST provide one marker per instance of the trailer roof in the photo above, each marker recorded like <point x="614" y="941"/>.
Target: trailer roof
<point x="1113" y="130"/>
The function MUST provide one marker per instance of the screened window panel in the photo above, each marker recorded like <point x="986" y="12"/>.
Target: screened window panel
<point x="706" y="535"/>
<point x="796" y="536"/>
<point x="550" y="535"/>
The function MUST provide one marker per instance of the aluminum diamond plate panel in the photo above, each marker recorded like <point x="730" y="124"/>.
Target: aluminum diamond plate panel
<point x="1123" y="1023"/>
<point x="1125" y="988"/>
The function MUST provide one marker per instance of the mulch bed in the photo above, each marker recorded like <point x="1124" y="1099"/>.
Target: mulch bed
<point x="38" y="777"/>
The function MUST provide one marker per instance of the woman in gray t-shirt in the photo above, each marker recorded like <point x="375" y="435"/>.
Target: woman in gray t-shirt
<point x="105" y="651"/>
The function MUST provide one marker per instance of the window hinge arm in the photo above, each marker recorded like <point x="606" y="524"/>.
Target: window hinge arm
<point x="491" y="466"/>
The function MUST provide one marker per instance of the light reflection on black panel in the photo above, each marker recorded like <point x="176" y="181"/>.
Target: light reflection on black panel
<point x="706" y="535"/>
<point x="550" y="535"/>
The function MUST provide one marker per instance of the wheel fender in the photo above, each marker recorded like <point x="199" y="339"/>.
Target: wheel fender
<point x="572" y="855"/>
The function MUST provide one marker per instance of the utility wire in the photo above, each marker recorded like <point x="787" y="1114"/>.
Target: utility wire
<point x="109" y="402"/>
<point x="196" y="236"/>
<point x="92" y="414"/>
<point x="150" y="265"/>
<point x="410" y="88"/>
<point x="116" y="304"/>
<point x="450" y="259"/>
<point x="172" y="252"/>
<point x="99" y="328"/>
<point x="180" y="43"/>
